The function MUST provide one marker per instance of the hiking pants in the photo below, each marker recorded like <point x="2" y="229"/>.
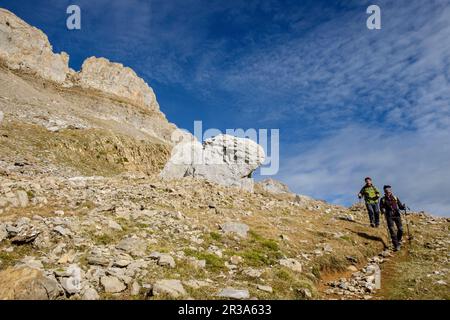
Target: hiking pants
<point x="397" y="221"/>
<point x="374" y="213"/>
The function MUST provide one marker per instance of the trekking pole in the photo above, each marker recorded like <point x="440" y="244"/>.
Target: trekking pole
<point x="407" y="222"/>
<point x="388" y="232"/>
<point x="360" y="200"/>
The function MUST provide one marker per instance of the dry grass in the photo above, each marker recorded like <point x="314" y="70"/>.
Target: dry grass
<point x="412" y="274"/>
<point x="89" y="152"/>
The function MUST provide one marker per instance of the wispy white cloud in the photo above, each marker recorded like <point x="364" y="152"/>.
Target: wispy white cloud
<point x="382" y="100"/>
<point x="415" y="163"/>
<point x="340" y="68"/>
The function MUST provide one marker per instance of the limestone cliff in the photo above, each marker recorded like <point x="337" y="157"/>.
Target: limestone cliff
<point x="102" y="120"/>
<point x="27" y="49"/>
<point x="117" y="80"/>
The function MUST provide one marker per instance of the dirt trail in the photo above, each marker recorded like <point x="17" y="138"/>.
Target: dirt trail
<point x="388" y="267"/>
<point x="389" y="272"/>
<point x="419" y="271"/>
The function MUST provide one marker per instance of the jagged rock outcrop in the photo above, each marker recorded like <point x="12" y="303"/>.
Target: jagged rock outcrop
<point x="274" y="186"/>
<point x="104" y="117"/>
<point x="223" y="159"/>
<point x="25" y="48"/>
<point x="115" y="79"/>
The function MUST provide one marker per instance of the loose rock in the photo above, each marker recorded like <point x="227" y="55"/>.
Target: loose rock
<point x="232" y="293"/>
<point x="112" y="284"/>
<point x="238" y="228"/>
<point x="173" y="288"/>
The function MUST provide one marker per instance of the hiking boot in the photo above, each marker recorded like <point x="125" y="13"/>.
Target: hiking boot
<point x="372" y="225"/>
<point x="397" y="248"/>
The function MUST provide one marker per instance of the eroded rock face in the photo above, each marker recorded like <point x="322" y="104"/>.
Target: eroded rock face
<point x="25" y="48"/>
<point x="224" y="159"/>
<point x="115" y="79"/>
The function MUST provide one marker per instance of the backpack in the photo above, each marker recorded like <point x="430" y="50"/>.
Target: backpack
<point x="384" y="204"/>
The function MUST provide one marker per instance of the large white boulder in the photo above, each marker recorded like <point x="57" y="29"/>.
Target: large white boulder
<point x="184" y="157"/>
<point x="26" y="48"/>
<point x="223" y="159"/>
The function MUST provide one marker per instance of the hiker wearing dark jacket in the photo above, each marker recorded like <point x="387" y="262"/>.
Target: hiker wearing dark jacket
<point x="371" y="195"/>
<point x="390" y="206"/>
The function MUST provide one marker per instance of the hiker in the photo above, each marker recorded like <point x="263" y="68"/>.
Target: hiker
<point x="390" y="206"/>
<point x="371" y="196"/>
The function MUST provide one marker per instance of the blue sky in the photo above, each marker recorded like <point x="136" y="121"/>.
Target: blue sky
<point x="349" y="102"/>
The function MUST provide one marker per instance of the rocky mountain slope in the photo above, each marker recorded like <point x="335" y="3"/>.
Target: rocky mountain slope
<point x="85" y="213"/>
<point x="101" y="119"/>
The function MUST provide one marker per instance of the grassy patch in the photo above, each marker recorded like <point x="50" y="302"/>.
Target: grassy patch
<point x="103" y="239"/>
<point x="213" y="262"/>
<point x="215" y="236"/>
<point x="284" y="275"/>
<point x="316" y="271"/>
<point x="328" y="263"/>
<point x="270" y="244"/>
<point x="11" y="258"/>
<point x="260" y="251"/>
<point x="90" y="151"/>
<point x="346" y="238"/>
<point x="141" y="225"/>
<point x="412" y="276"/>
<point x="30" y="194"/>
<point x="257" y="257"/>
<point x="287" y="283"/>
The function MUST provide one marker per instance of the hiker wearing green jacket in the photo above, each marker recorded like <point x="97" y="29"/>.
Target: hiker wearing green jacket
<point x="371" y="195"/>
